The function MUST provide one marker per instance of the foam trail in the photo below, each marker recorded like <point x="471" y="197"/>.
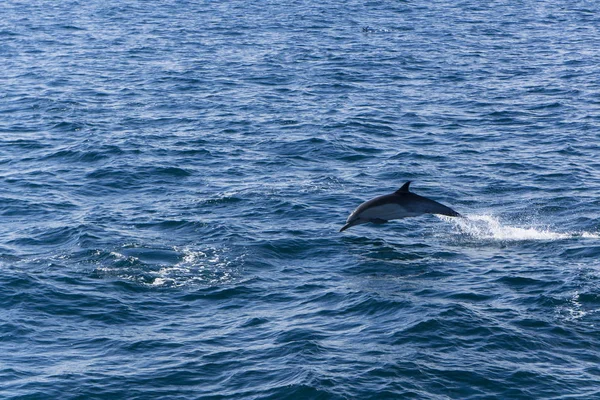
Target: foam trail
<point x="489" y="227"/>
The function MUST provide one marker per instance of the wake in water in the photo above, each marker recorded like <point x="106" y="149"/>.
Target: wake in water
<point x="489" y="227"/>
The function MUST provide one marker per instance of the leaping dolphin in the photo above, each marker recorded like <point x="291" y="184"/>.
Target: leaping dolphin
<point x="400" y="204"/>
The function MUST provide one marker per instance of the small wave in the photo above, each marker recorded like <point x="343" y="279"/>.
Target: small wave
<point x="578" y="307"/>
<point x="489" y="227"/>
<point x="169" y="267"/>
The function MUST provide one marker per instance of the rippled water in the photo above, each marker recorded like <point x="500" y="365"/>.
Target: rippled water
<point x="174" y="177"/>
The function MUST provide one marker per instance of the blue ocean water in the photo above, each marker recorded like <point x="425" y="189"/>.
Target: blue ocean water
<point x="174" y="175"/>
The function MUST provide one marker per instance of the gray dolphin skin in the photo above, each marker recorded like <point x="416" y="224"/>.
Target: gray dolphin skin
<point x="400" y="204"/>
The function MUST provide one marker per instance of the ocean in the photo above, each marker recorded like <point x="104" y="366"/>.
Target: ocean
<point x="174" y="175"/>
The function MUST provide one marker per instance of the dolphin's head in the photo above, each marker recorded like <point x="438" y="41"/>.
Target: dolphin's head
<point x="352" y="221"/>
<point x="360" y="216"/>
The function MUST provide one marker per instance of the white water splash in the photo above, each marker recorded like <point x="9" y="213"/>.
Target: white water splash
<point x="489" y="227"/>
<point x="171" y="267"/>
<point x="201" y="267"/>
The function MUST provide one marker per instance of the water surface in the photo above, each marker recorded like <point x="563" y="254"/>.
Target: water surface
<point x="174" y="177"/>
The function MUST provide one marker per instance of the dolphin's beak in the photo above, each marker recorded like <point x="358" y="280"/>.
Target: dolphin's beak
<point x="349" y="224"/>
<point x="345" y="227"/>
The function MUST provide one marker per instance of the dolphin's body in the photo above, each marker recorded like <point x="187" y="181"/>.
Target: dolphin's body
<point x="400" y="204"/>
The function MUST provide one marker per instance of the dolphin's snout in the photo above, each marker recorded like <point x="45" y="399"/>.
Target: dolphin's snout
<point x="350" y="223"/>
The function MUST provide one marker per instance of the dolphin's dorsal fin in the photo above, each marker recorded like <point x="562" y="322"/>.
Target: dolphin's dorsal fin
<point x="404" y="188"/>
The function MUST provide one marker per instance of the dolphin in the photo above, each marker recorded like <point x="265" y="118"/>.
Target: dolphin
<point x="400" y="204"/>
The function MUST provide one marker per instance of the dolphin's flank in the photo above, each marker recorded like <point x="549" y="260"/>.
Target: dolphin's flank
<point x="400" y="204"/>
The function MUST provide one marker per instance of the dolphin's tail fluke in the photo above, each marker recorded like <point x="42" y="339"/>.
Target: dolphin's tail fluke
<point x="452" y="213"/>
<point x="433" y="207"/>
<point x="448" y="212"/>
